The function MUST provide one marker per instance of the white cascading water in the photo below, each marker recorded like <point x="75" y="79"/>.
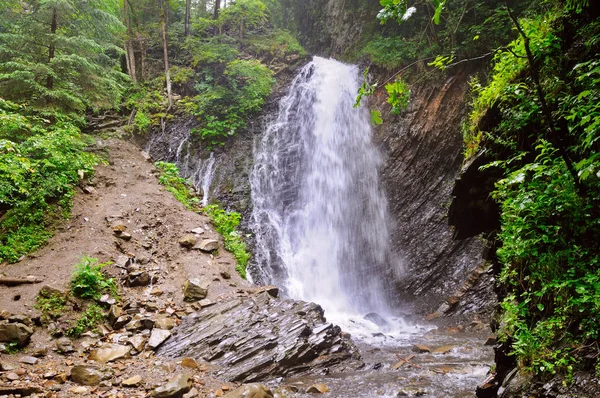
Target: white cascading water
<point x="175" y="145"/>
<point x="320" y="218"/>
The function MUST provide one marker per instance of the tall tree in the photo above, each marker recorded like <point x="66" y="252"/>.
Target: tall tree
<point x="129" y="51"/>
<point x="164" y="21"/>
<point x="61" y="53"/>
<point x="217" y="9"/>
<point x="188" y="10"/>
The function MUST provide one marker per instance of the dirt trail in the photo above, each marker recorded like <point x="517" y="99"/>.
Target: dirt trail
<point x="125" y="191"/>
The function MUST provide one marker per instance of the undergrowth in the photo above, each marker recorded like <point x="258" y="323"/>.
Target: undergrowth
<point x="179" y="187"/>
<point x="550" y="219"/>
<point x="40" y="163"/>
<point x="89" y="282"/>
<point x="90" y="318"/>
<point x="226" y="223"/>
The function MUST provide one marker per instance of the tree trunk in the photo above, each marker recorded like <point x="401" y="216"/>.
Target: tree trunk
<point x="164" y="20"/>
<point x="555" y="137"/>
<point x="188" y="9"/>
<point x="217" y="8"/>
<point x="129" y="52"/>
<point x="52" y="48"/>
<point x="142" y="45"/>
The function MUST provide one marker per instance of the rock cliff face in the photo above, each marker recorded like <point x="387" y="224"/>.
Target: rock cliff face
<point x="423" y="149"/>
<point x="330" y="27"/>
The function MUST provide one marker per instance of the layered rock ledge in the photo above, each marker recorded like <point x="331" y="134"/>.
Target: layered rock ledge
<point x="261" y="337"/>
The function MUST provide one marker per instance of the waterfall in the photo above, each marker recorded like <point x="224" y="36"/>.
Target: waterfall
<point x="320" y="217"/>
<point x="174" y="144"/>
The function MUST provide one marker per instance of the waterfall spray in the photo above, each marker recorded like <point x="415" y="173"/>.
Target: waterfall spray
<point x="320" y="218"/>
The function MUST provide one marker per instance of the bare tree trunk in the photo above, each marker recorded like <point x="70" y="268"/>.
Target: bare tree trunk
<point x="52" y="48"/>
<point x="129" y="52"/>
<point x="164" y="20"/>
<point x="217" y="8"/>
<point x="188" y="9"/>
<point x="142" y="44"/>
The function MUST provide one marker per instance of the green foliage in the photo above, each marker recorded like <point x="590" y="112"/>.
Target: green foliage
<point x="52" y="306"/>
<point x="226" y="224"/>
<point x="243" y="14"/>
<point x="40" y="163"/>
<point x="400" y="11"/>
<point x="549" y="250"/>
<point x="435" y="33"/>
<point x="212" y="51"/>
<point x="223" y="107"/>
<point x="276" y="45"/>
<point x="398" y="95"/>
<point x="551" y="264"/>
<point x="13" y="347"/>
<point x="61" y="55"/>
<point x="88" y="280"/>
<point x="149" y="103"/>
<point x="179" y="187"/>
<point x="389" y="52"/>
<point x="91" y="317"/>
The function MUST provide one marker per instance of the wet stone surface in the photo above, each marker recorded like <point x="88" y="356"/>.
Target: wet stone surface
<point x="261" y="337"/>
<point x="393" y="369"/>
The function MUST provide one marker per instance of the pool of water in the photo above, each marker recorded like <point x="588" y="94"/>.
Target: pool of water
<point x="457" y="363"/>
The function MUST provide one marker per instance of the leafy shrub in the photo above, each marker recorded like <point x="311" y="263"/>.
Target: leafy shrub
<point x="40" y="163"/>
<point x="92" y="316"/>
<point x="550" y="217"/>
<point x="88" y="280"/>
<point x="389" y="52"/>
<point x="169" y="177"/>
<point x="274" y="45"/>
<point x="222" y="108"/>
<point x="51" y="305"/>
<point x="226" y="223"/>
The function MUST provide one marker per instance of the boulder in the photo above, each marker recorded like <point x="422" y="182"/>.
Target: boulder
<point x="207" y="245"/>
<point x="421" y="348"/>
<point x="378" y="320"/>
<point x="157" y="337"/>
<point x="15" y="332"/>
<point x="188" y="362"/>
<point x="254" y="390"/>
<point x="113" y="314"/>
<point x="64" y="345"/>
<point x="195" y="289"/>
<point x="138" y="342"/>
<point x="260" y="337"/>
<point x="88" y="375"/>
<point x="110" y="352"/>
<point x="188" y="241"/>
<point x="133" y="381"/>
<point x="271" y="290"/>
<point x="138" y="278"/>
<point x="164" y="322"/>
<point x="175" y="388"/>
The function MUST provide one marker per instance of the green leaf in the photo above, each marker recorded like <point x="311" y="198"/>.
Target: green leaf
<point x="376" y="117"/>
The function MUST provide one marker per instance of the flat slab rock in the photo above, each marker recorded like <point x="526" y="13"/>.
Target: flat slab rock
<point x="261" y="337"/>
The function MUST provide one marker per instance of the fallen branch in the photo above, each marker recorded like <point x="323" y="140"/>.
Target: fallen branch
<point x="404" y="361"/>
<point x="19" y="281"/>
